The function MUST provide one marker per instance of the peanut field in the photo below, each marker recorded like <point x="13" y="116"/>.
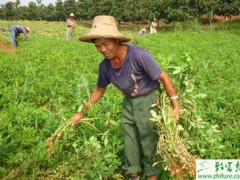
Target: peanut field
<point x="46" y="80"/>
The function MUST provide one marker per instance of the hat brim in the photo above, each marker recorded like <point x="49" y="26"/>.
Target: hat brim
<point x="91" y="37"/>
<point x="28" y="29"/>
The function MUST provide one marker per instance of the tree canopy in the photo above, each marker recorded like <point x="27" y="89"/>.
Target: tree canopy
<point x="122" y="10"/>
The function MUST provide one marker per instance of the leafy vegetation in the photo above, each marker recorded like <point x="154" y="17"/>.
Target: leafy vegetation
<point x="45" y="80"/>
<point x="122" y="10"/>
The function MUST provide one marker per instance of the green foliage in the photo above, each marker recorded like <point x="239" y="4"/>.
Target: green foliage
<point x="196" y="130"/>
<point x="41" y="86"/>
<point x="228" y="7"/>
<point x="123" y="10"/>
<point x="47" y="78"/>
<point x="209" y="73"/>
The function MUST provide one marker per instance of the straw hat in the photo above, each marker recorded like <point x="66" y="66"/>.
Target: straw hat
<point x="28" y="28"/>
<point x="72" y="15"/>
<point x="103" y="27"/>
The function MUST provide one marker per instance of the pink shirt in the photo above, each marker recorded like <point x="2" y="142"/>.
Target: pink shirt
<point x="71" y="22"/>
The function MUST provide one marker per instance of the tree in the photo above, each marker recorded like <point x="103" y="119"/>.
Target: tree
<point x="105" y="6"/>
<point x="39" y="2"/>
<point x="122" y="10"/>
<point x="174" y="11"/>
<point x="49" y="12"/>
<point x="2" y="11"/>
<point x="9" y="10"/>
<point x="82" y="9"/>
<point x="228" y="8"/>
<point x="118" y="10"/>
<point x="155" y="9"/>
<point x="40" y="9"/>
<point x="69" y="7"/>
<point x="32" y="11"/>
<point x="59" y="11"/>
<point x="175" y="15"/>
<point x="17" y="3"/>
<point x="23" y="12"/>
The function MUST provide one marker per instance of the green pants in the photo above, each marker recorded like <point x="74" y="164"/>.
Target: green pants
<point x="140" y="137"/>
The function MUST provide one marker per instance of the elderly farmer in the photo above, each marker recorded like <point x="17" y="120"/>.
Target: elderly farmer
<point x="136" y="74"/>
<point x="71" y="24"/>
<point x="15" y="30"/>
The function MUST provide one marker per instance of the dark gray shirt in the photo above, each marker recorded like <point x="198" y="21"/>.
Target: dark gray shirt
<point x="19" y="29"/>
<point x="137" y="76"/>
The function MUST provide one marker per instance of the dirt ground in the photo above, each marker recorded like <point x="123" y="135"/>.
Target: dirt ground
<point x="217" y="18"/>
<point x="5" y="47"/>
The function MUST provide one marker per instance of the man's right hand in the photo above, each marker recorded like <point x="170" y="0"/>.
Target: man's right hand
<point x="76" y="119"/>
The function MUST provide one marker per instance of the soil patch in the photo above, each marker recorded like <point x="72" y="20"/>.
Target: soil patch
<point x="216" y="18"/>
<point x="5" y="47"/>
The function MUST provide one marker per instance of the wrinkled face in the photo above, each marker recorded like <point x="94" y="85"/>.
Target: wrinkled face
<point x="107" y="47"/>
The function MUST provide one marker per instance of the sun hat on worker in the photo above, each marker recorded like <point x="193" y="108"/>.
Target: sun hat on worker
<point x="72" y="15"/>
<point x="27" y="28"/>
<point x="103" y="27"/>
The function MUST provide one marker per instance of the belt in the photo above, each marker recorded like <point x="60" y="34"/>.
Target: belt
<point x="143" y="95"/>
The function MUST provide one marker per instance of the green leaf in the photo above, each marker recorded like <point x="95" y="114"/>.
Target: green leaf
<point x="177" y="71"/>
<point x="154" y="114"/>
